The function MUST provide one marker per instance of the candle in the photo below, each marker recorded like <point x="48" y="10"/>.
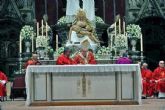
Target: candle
<point x="37" y="29"/>
<point x="111" y="41"/>
<point x="119" y="26"/>
<point x="124" y="27"/>
<point x="126" y="39"/>
<point x="56" y="42"/>
<point x="141" y="43"/>
<point x="33" y="43"/>
<point x="42" y="24"/>
<point x="115" y="30"/>
<point x="46" y="29"/>
<point x="20" y="44"/>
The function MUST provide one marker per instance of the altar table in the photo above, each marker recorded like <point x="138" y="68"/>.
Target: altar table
<point x="83" y="84"/>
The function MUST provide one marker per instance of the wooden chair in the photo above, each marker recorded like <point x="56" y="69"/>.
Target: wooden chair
<point x="18" y="88"/>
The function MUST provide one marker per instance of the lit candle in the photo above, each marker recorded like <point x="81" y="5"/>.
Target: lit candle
<point x="141" y="43"/>
<point x="20" y="44"/>
<point x="124" y="27"/>
<point x="56" y="42"/>
<point x="111" y="41"/>
<point x="126" y="39"/>
<point x="32" y="42"/>
<point x="37" y="29"/>
<point x="115" y="30"/>
<point x="42" y="26"/>
<point x="46" y="29"/>
<point x="119" y="26"/>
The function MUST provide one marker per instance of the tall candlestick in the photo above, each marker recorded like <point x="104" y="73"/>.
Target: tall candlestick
<point x="115" y="30"/>
<point x="141" y="43"/>
<point x="111" y="41"/>
<point x="46" y="29"/>
<point x="37" y="29"/>
<point x="126" y="39"/>
<point x="123" y="27"/>
<point x="56" y="42"/>
<point x="32" y="42"/>
<point x="42" y="26"/>
<point x="119" y="26"/>
<point x="20" y="44"/>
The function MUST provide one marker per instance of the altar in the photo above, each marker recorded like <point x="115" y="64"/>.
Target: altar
<point x="102" y="84"/>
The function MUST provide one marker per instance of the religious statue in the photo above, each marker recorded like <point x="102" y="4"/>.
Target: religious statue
<point x="82" y="30"/>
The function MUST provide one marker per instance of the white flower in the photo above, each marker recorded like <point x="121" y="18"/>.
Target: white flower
<point x="42" y="41"/>
<point x="121" y="41"/>
<point x="103" y="50"/>
<point x="27" y="32"/>
<point x="99" y="19"/>
<point x="134" y="31"/>
<point x="59" y="51"/>
<point x="63" y="20"/>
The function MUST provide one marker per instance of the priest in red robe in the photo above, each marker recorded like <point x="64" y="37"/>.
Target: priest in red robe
<point x="85" y="57"/>
<point x="64" y="58"/>
<point x="33" y="61"/>
<point x="159" y="76"/>
<point x="147" y="81"/>
<point x="3" y="81"/>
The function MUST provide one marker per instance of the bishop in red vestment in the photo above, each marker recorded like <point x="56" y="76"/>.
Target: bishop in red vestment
<point x="64" y="58"/>
<point x="3" y="81"/>
<point x="32" y="61"/>
<point x="147" y="81"/>
<point x="85" y="57"/>
<point x="159" y="76"/>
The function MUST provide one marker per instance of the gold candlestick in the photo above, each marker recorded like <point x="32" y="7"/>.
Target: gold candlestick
<point x="56" y="42"/>
<point x="42" y="26"/>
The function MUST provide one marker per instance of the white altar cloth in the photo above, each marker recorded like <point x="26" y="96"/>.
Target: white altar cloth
<point x="90" y="69"/>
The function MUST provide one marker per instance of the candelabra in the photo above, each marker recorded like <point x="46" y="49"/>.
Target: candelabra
<point x="20" y="63"/>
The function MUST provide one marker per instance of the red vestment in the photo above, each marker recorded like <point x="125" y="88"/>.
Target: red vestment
<point x="32" y="62"/>
<point x="3" y="78"/>
<point x="159" y="76"/>
<point x="89" y="59"/>
<point x="148" y="82"/>
<point x="64" y="60"/>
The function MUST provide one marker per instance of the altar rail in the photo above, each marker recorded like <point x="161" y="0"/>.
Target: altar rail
<point x="83" y="84"/>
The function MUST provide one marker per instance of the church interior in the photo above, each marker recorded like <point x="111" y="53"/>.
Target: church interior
<point x="109" y="28"/>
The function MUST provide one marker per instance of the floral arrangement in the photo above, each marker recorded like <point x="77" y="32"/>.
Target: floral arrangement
<point x="63" y="20"/>
<point x="103" y="53"/>
<point x="121" y="41"/>
<point x="27" y="32"/>
<point x="99" y="19"/>
<point x="133" y="31"/>
<point x="59" y="51"/>
<point x="103" y="50"/>
<point x="42" y="41"/>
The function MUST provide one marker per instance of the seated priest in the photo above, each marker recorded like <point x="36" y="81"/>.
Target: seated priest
<point x="147" y="80"/>
<point x="159" y="77"/>
<point x="85" y="56"/>
<point x="64" y="58"/>
<point x="33" y="60"/>
<point x="3" y="81"/>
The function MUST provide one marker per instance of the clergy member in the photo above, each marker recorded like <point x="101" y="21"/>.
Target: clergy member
<point x="124" y="59"/>
<point x="85" y="57"/>
<point x="159" y="76"/>
<point x="33" y="61"/>
<point x="3" y="81"/>
<point x="147" y="81"/>
<point x="64" y="58"/>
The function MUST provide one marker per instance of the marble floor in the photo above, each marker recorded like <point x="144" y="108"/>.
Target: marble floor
<point x="147" y="104"/>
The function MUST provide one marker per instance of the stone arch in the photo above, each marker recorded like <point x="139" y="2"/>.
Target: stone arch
<point x="153" y="36"/>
